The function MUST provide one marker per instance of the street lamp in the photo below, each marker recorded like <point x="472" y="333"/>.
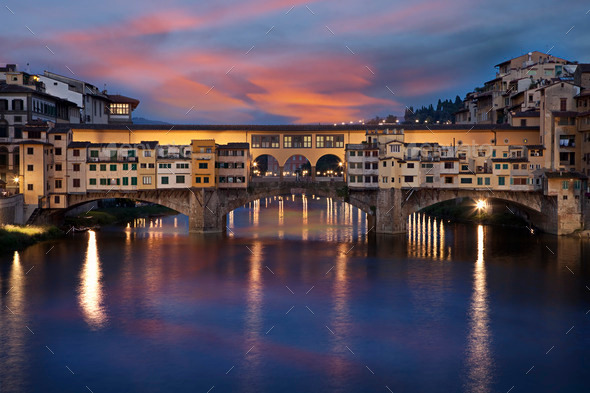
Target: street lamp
<point x="480" y="204"/>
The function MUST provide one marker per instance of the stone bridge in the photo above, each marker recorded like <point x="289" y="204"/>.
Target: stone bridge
<point x="387" y="209"/>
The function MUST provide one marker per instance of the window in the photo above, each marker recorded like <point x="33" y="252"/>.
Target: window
<point x="523" y="121"/>
<point x="143" y="166"/>
<point x="429" y="179"/>
<point x="179" y="179"/>
<point x="515" y="166"/>
<point x="181" y="166"/>
<point x="130" y="153"/>
<point x="30" y="168"/>
<point x="198" y="179"/>
<point x="519" y="181"/>
<point x="205" y="179"/>
<point x="203" y="165"/>
<point x="164" y="179"/>
<point x="119" y="109"/>
<point x="29" y="187"/>
<point x="94" y="153"/>
<point x="113" y="167"/>
<point x="103" y="167"/>
<point x="103" y="182"/>
<point x="125" y="167"/>
<point x="133" y="167"/>
<point x="30" y="150"/>
<point x="466" y="180"/>
<point x="504" y="166"/>
<point x="134" y="181"/>
<point x="265" y="141"/>
<point x="487" y="181"/>
<point x="449" y="165"/>
<point x="297" y="141"/>
<point x="563" y="104"/>
<point x="410" y="165"/>
<point x="147" y="153"/>
<point x="58" y="184"/>
<point x="57" y="138"/>
<point x="17" y="105"/>
<point x="351" y="153"/>
<point x="76" y="183"/>
<point x="465" y="167"/>
<point x="125" y="181"/>
<point x="329" y="141"/>
<point x="394" y="148"/>
<point x="18" y="132"/>
<point x="147" y="180"/>
<point x="408" y="179"/>
<point x="58" y="167"/>
<point x="501" y="180"/>
<point x="565" y="184"/>
<point x="480" y="181"/>
<point x="56" y="199"/>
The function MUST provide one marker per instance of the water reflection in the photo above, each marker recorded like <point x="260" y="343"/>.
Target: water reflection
<point x="479" y="358"/>
<point x="12" y="330"/>
<point x="91" y="297"/>
<point x="426" y="237"/>
<point x="298" y="217"/>
<point x="253" y="318"/>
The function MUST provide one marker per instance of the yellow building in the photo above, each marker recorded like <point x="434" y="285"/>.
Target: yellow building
<point x="203" y="163"/>
<point x="146" y="172"/>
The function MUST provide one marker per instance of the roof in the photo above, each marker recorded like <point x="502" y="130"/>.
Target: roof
<point x="535" y="147"/>
<point x="148" y="145"/>
<point x="565" y="175"/>
<point x="583" y="68"/>
<point x="510" y="159"/>
<point x="234" y="145"/>
<point x="527" y="114"/>
<point x="33" y="142"/>
<point x="74" y="145"/>
<point x="294" y="127"/>
<point x="564" y="113"/>
<point x="584" y="93"/>
<point x="117" y="98"/>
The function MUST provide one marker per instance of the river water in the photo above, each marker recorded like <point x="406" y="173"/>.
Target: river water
<point x="297" y="298"/>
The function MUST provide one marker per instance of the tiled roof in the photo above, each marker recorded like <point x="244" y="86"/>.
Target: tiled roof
<point x="565" y="175"/>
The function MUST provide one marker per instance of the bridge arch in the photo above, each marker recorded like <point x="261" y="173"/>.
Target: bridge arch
<point x="531" y="206"/>
<point x="178" y="200"/>
<point x="233" y="200"/>
<point x="297" y="165"/>
<point x="265" y="165"/>
<point x="330" y="165"/>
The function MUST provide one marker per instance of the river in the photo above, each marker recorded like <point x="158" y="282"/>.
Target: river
<point x="296" y="297"/>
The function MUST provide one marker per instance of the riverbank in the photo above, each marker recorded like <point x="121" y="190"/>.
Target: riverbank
<point x="15" y="238"/>
<point x="117" y="215"/>
<point x="466" y="212"/>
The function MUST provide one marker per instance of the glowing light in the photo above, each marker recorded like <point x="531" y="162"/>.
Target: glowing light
<point x="16" y="179"/>
<point x="480" y="204"/>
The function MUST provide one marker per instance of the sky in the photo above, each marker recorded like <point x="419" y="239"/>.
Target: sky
<point x="285" y="61"/>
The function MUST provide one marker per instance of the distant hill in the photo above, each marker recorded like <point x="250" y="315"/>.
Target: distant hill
<point x="143" y="120"/>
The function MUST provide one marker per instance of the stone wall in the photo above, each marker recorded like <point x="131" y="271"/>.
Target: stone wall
<point x="12" y="210"/>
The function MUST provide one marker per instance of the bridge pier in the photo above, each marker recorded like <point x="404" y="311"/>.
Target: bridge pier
<point x="204" y="211"/>
<point x="389" y="216"/>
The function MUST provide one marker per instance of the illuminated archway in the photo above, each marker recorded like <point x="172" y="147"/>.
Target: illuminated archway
<point x="265" y="166"/>
<point x="297" y="166"/>
<point x="329" y="166"/>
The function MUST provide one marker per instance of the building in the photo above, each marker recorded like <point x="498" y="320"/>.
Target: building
<point x="362" y="169"/>
<point x="174" y="166"/>
<point x="203" y="163"/>
<point x="233" y="165"/>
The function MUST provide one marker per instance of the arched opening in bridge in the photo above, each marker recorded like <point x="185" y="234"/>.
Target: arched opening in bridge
<point x="298" y="217"/>
<point x="484" y="210"/>
<point x="131" y="213"/>
<point x="297" y="167"/>
<point x="329" y="166"/>
<point x="265" y="166"/>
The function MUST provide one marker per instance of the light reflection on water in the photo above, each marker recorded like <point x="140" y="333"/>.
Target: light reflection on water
<point x="153" y="301"/>
<point x="90" y="291"/>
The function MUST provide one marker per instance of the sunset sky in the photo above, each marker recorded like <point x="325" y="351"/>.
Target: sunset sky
<point x="278" y="61"/>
